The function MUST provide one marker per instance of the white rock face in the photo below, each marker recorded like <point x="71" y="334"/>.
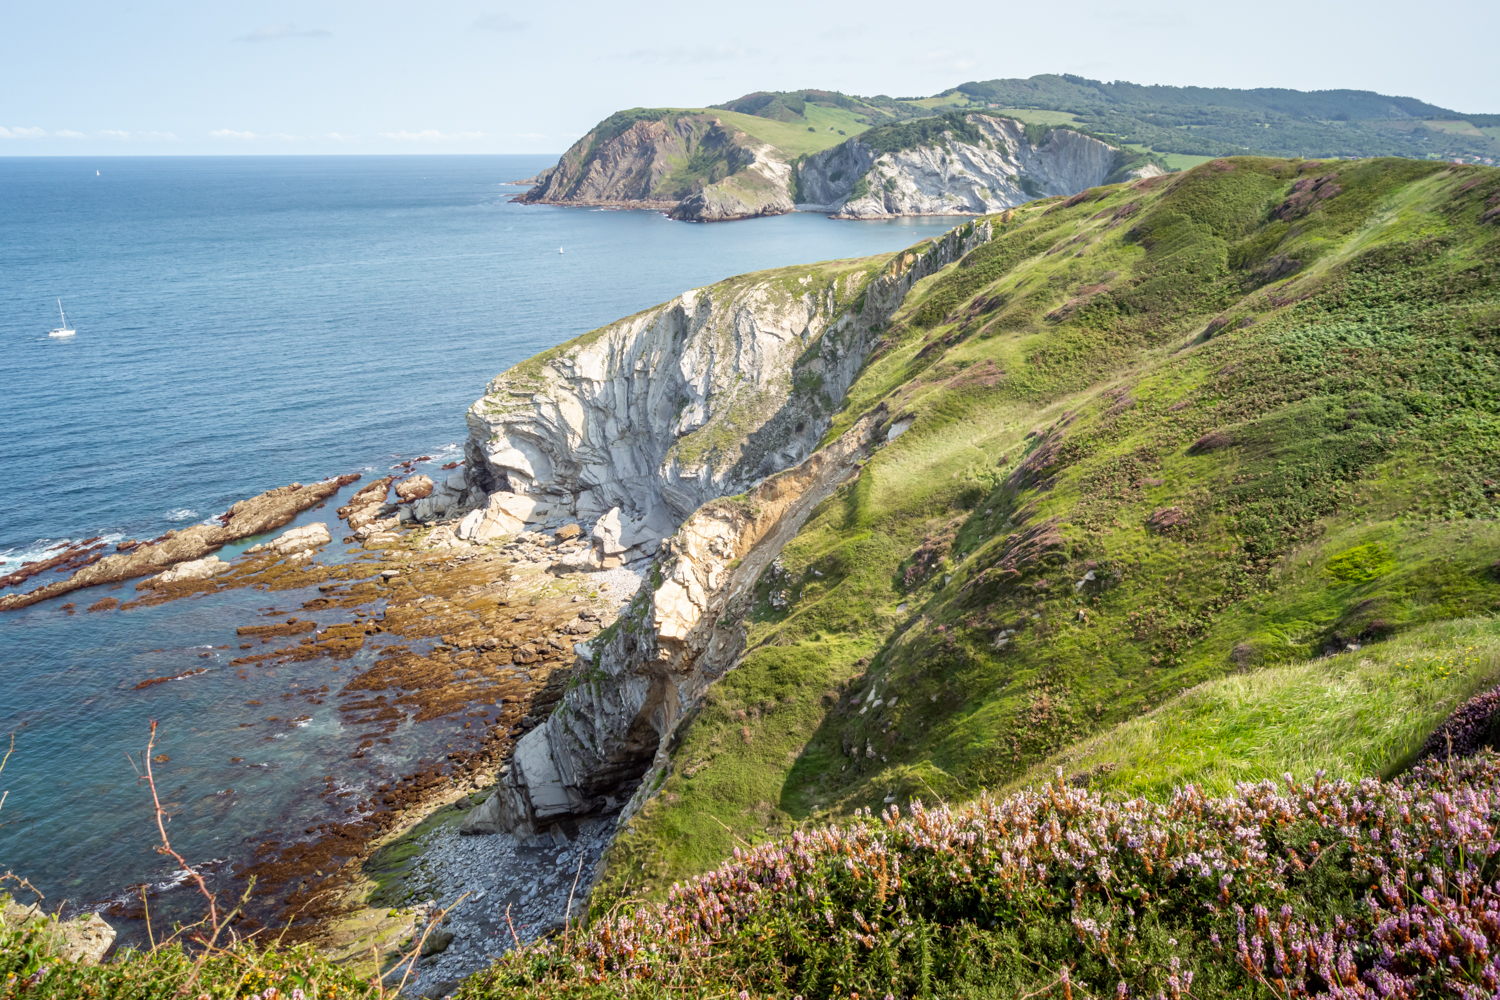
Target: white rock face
<point x="303" y="539"/>
<point x="492" y="521"/>
<point x="196" y="569"/>
<point x="695" y="399"/>
<point x="1002" y="171"/>
<point x="639" y="425"/>
<point x="591" y="753"/>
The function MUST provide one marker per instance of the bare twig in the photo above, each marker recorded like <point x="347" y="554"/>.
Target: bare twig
<point x="161" y="825"/>
<point x="146" y="909"/>
<point x="514" y="936"/>
<point x="726" y="829"/>
<point x="3" y="761"/>
<point x="568" y="913"/>
<point x="416" y="952"/>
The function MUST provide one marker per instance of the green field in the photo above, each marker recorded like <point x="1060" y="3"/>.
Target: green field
<point x="793" y="138"/>
<point x="1177" y="161"/>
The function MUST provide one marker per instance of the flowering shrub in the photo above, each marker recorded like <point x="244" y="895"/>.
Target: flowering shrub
<point x="1283" y="889"/>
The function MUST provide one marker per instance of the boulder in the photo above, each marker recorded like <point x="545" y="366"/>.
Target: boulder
<point x="567" y="532"/>
<point x="521" y="507"/>
<point x="436" y="941"/>
<point x="83" y="939"/>
<point x="607" y="530"/>
<point x="303" y="539"/>
<point x="414" y="488"/>
<point x="197" y="569"/>
<point x="490" y="522"/>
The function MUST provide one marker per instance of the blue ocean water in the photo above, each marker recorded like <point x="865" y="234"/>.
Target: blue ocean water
<point x="244" y="323"/>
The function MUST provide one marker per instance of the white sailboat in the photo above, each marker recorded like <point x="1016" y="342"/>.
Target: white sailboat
<point x="64" y="330"/>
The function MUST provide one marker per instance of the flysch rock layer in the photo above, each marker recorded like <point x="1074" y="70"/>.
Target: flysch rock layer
<point x="610" y="428"/>
<point x="692" y="400"/>
<point x="249" y="517"/>
<point x="956" y="178"/>
<point x="643" y="677"/>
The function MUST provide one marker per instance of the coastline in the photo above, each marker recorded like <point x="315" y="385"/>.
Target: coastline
<point x="453" y="644"/>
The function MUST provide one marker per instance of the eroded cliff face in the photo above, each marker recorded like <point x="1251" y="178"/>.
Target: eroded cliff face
<point x="691" y="166"/>
<point x="661" y="415"/>
<point x="694" y="399"/>
<point x="1003" y="170"/>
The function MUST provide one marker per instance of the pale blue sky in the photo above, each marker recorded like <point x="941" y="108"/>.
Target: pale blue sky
<point x="284" y="76"/>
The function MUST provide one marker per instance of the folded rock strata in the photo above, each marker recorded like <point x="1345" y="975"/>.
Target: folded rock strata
<point x="695" y="399"/>
<point x="644" y="676"/>
<point x="1002" y="169"/>
<point x="638" y="425"/>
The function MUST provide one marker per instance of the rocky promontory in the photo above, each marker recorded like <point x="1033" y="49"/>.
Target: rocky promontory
<point x="643" y="427"/>
<point x="690" y="165"/>
<point x="697" y="166"/>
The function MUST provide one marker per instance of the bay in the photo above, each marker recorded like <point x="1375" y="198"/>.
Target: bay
<point x="245" y="322"/>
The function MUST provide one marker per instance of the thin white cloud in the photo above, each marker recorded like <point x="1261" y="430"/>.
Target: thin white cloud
<point x="686" y="55"/>
<point x="68" y="133"/>
<point x="500" y="22"/>
<point x="958" y="59"/>
<point x="114" y="133"/>
<point x="843" y="32"/>
<point x="338" y="137"/>
<point x="229" y="133"/>
<point x="279" y="32"/>
<point x="431" y="135"/>
<point x="17" y="132"/>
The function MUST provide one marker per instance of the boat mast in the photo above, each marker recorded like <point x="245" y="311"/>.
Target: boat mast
<point x="62" y="314"/>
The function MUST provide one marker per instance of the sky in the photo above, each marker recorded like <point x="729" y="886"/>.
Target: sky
<point x="85" y="77"/>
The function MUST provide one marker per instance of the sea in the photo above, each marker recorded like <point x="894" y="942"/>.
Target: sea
<point x="243" y="323"/>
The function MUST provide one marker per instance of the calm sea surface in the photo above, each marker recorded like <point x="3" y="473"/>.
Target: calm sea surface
<point x="244" y="323"/>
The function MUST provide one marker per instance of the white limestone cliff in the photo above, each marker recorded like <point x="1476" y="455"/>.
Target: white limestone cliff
<point x="694" y="399"/>
<point x="1003" y="170"/>
<point x="645" y="425"/>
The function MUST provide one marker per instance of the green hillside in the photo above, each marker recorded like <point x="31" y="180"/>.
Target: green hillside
<point x="1216" y="121"/>
<point x="1159" y="434"/>
<point x="819" y="128"/>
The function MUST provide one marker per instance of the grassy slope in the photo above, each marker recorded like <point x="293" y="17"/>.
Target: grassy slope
<point x="792" y="138"/>
<point x="1059" y="378"/>
<point x="1351" y="715"/>
<point x="1177" y="161"/>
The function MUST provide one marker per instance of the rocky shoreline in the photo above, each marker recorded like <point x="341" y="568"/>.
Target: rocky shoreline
<point x="469" y="623"/>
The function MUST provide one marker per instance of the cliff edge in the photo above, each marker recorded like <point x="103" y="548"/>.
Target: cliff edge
<point x="658" y="417"/>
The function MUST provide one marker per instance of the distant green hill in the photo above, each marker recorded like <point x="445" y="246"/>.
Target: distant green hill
<point x="1217" y="121"/>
